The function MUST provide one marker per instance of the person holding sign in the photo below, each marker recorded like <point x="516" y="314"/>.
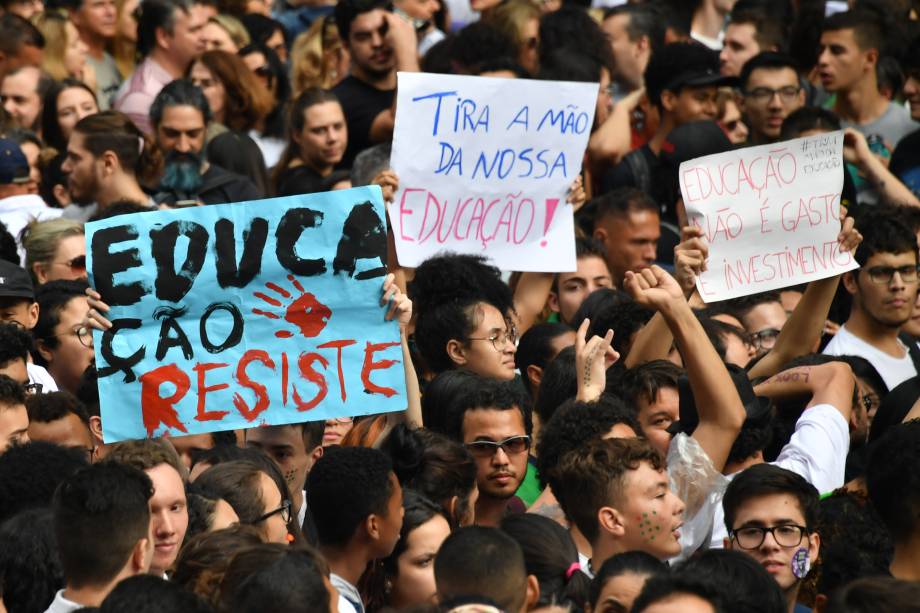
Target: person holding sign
<point x="884" y="291"/>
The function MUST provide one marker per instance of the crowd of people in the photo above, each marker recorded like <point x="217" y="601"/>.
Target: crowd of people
<point x="598" y="440"/>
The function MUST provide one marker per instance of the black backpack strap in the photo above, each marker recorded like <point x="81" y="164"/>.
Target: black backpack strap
<point x="912" y="348"/>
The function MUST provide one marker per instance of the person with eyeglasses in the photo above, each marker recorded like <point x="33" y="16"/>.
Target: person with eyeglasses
<point x="884" y="292"/>
<point x="63" y="344"/>
<point x="770" y="92"/>
<point x="762" y="316"/>
<point x="771" y="515"/>
<point x="491" y="420"/>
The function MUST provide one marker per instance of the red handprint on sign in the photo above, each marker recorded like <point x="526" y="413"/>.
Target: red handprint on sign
<point x="305" y="311"/>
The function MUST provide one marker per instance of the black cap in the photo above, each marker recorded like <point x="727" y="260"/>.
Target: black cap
<point x="693" y="140"/>
<point x="757" y="408"/>
<point x="15" y="282"/>
<point x="683" y="64"/>
<point x="14" y="168"/>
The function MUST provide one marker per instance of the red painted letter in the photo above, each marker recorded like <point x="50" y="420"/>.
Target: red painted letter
<point x="253" y="355"/>
<point x="339" y="345"/>
<point x="309" y="374"/>
<point x="202" y="370"/>
<point x="157" y="410"/>
<point x="370" y="364"/>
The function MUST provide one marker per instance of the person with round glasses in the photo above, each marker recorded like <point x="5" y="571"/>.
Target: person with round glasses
<point x="770" y="514"/>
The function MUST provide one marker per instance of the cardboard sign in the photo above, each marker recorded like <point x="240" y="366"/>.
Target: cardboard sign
<point x="771" y="215"/>
<point x="240" y="315"/>
<point x="484" y="168"/>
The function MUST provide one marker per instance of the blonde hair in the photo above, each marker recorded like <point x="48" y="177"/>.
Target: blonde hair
<point x="53" y="26"/>
<point x="40" y="240"/>
<point x="308" y="56"/>
<point x="511" y="17"/>
<point x="234" y="27"/>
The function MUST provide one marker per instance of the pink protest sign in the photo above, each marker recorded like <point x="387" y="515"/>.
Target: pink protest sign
<point x="484" y="166"/>
<point x="771" y="215"/>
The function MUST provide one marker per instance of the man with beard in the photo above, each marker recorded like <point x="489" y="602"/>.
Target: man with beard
<point x="107" y="159"/>
<point x="379" y="43"/>
<point x="491" y="421"/>
<point x="179" y="116"/>
<point x="884" y="289"/>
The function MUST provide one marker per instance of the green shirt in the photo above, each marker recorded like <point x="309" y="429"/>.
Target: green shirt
<point x="529" y="489"/>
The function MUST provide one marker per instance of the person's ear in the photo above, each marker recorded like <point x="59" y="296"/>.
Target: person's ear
<point x="33" y="316"/>
<point x="456" y="352"/>
<point x="95" y="428"/>
<point x="552" y="301"/>
<point x="814" y="546"/>
<point x="668" y="100"/>
<point x="141" y="556"/>
<point x="849" y="282"/>
<point x="533" y="593"/>
<point x="372" y="525"/>
<point x="534" y="372"/>
<point x="43" y="350"/>
<point x="600" y="235"/>
<point x="107" y="164"/>
<point x="644" y="44"/>
<point x="452" y="505"/>
<point x="163" y="38"/>
<point x="871" y="59"/>
<point x="317" y="453"/>
<point x="611" y="521"/>
<point x="727" y="543"/>
<point x="61" y="195"/>
<point x="38" y="269"/>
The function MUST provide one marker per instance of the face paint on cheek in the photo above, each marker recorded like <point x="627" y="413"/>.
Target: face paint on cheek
<point x="801" y="564"/>
<point x="289" y="476"/>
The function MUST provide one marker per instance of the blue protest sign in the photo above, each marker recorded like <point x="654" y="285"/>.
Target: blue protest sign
<point x="246" y="314"/>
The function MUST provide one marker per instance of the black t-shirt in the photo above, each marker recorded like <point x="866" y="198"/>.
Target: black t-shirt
<point x="221" y="186"/>
<point x="361" y="103"/>
<point x="299" y="180"/>
<point x="622" y="175"/>
<point x="905" y="161"/>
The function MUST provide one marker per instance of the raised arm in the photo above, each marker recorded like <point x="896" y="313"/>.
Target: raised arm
<point x="721" y="413"/>
<point x="830" y="383"/>
<point x="803" y="329"/>
<point x="856" y="151"/>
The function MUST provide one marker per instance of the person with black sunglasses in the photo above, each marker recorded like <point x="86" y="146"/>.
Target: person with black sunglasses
<point x="55" y="250"/>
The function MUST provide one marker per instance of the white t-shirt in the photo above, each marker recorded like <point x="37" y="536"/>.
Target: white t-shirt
<point x="62" y="605"/>
<point x="38" y="374"/>
<point x="817" y="451"/>
<point x="893" y="370"/>
<point x="349" y="596"/>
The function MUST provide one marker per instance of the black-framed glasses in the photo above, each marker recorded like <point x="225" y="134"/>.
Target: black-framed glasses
<point x="33" y="389"/>
<point x="761" y="95"/>
<point x="513" y="445"/>
<point x="786" y="535"/>
<point x="284" y="510"/>
<point x="765" y="339"/>
<point x="83" y="334"/>
<point x="499" y="339"/>
<point x="884" y="274"/>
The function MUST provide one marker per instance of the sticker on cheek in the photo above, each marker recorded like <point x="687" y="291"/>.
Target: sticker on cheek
<point x="801" y="564"/>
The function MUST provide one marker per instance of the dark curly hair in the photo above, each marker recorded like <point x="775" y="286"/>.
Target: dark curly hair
<point x="30" y="568"/>
<point x="445" y="293"/>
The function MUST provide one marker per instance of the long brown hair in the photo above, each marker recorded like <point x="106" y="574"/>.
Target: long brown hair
<point x="114" y="131"/>
<point x="296" y="121"/>
<point x="246" y="101"/>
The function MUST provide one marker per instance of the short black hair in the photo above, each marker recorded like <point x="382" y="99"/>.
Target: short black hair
<point x="767" y="479"/>
<point x="535" y="349"/>
<point x="30" y="568"/>
<point x="490" y="394"/>
<point x="740" y="307"/>
<point x="180" y="92"/>
<point x="621" y="202"/>
<point x="559" y="383"/>
<point x="292" y="580"/>
<point x="53" y="297"/>
<point x="868" y="29"/>
<point x="768" y="29"/>
<point x="644" y="20"/>
<point x="893" y="482"/>
<point x="44" y="408"/>
<point x="345" y="486"/>
<point x="11" y="392"/>
<point x="151" y="594"/>
<point x="882" y="233"/>
<point x="574" y="424"/>
<point x="809" y="118"/>
<point x="15" y="343"/>
<point x="875" y="593"/>
<point x="662" y="587"/>
<point x="347" y="10"/>
<point x="629" y="562"/>
<point x="46" y="465"/>
<point x="484" y="562"/>
<point x="479" y="44"/>
<point x="16" y="32"/>
<point x="87" y="506"/>
<point x="573" y="30"/>
<point x="645" y="381"/>
<point x="746" y="584"/>
<point x="610" y="309"/>
<point x="765" y="60"/>
<point x="154" y="15"/>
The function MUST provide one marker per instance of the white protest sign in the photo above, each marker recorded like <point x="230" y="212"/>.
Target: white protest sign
<point x="484" y="167"/>
<point x="771" y="215"/>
